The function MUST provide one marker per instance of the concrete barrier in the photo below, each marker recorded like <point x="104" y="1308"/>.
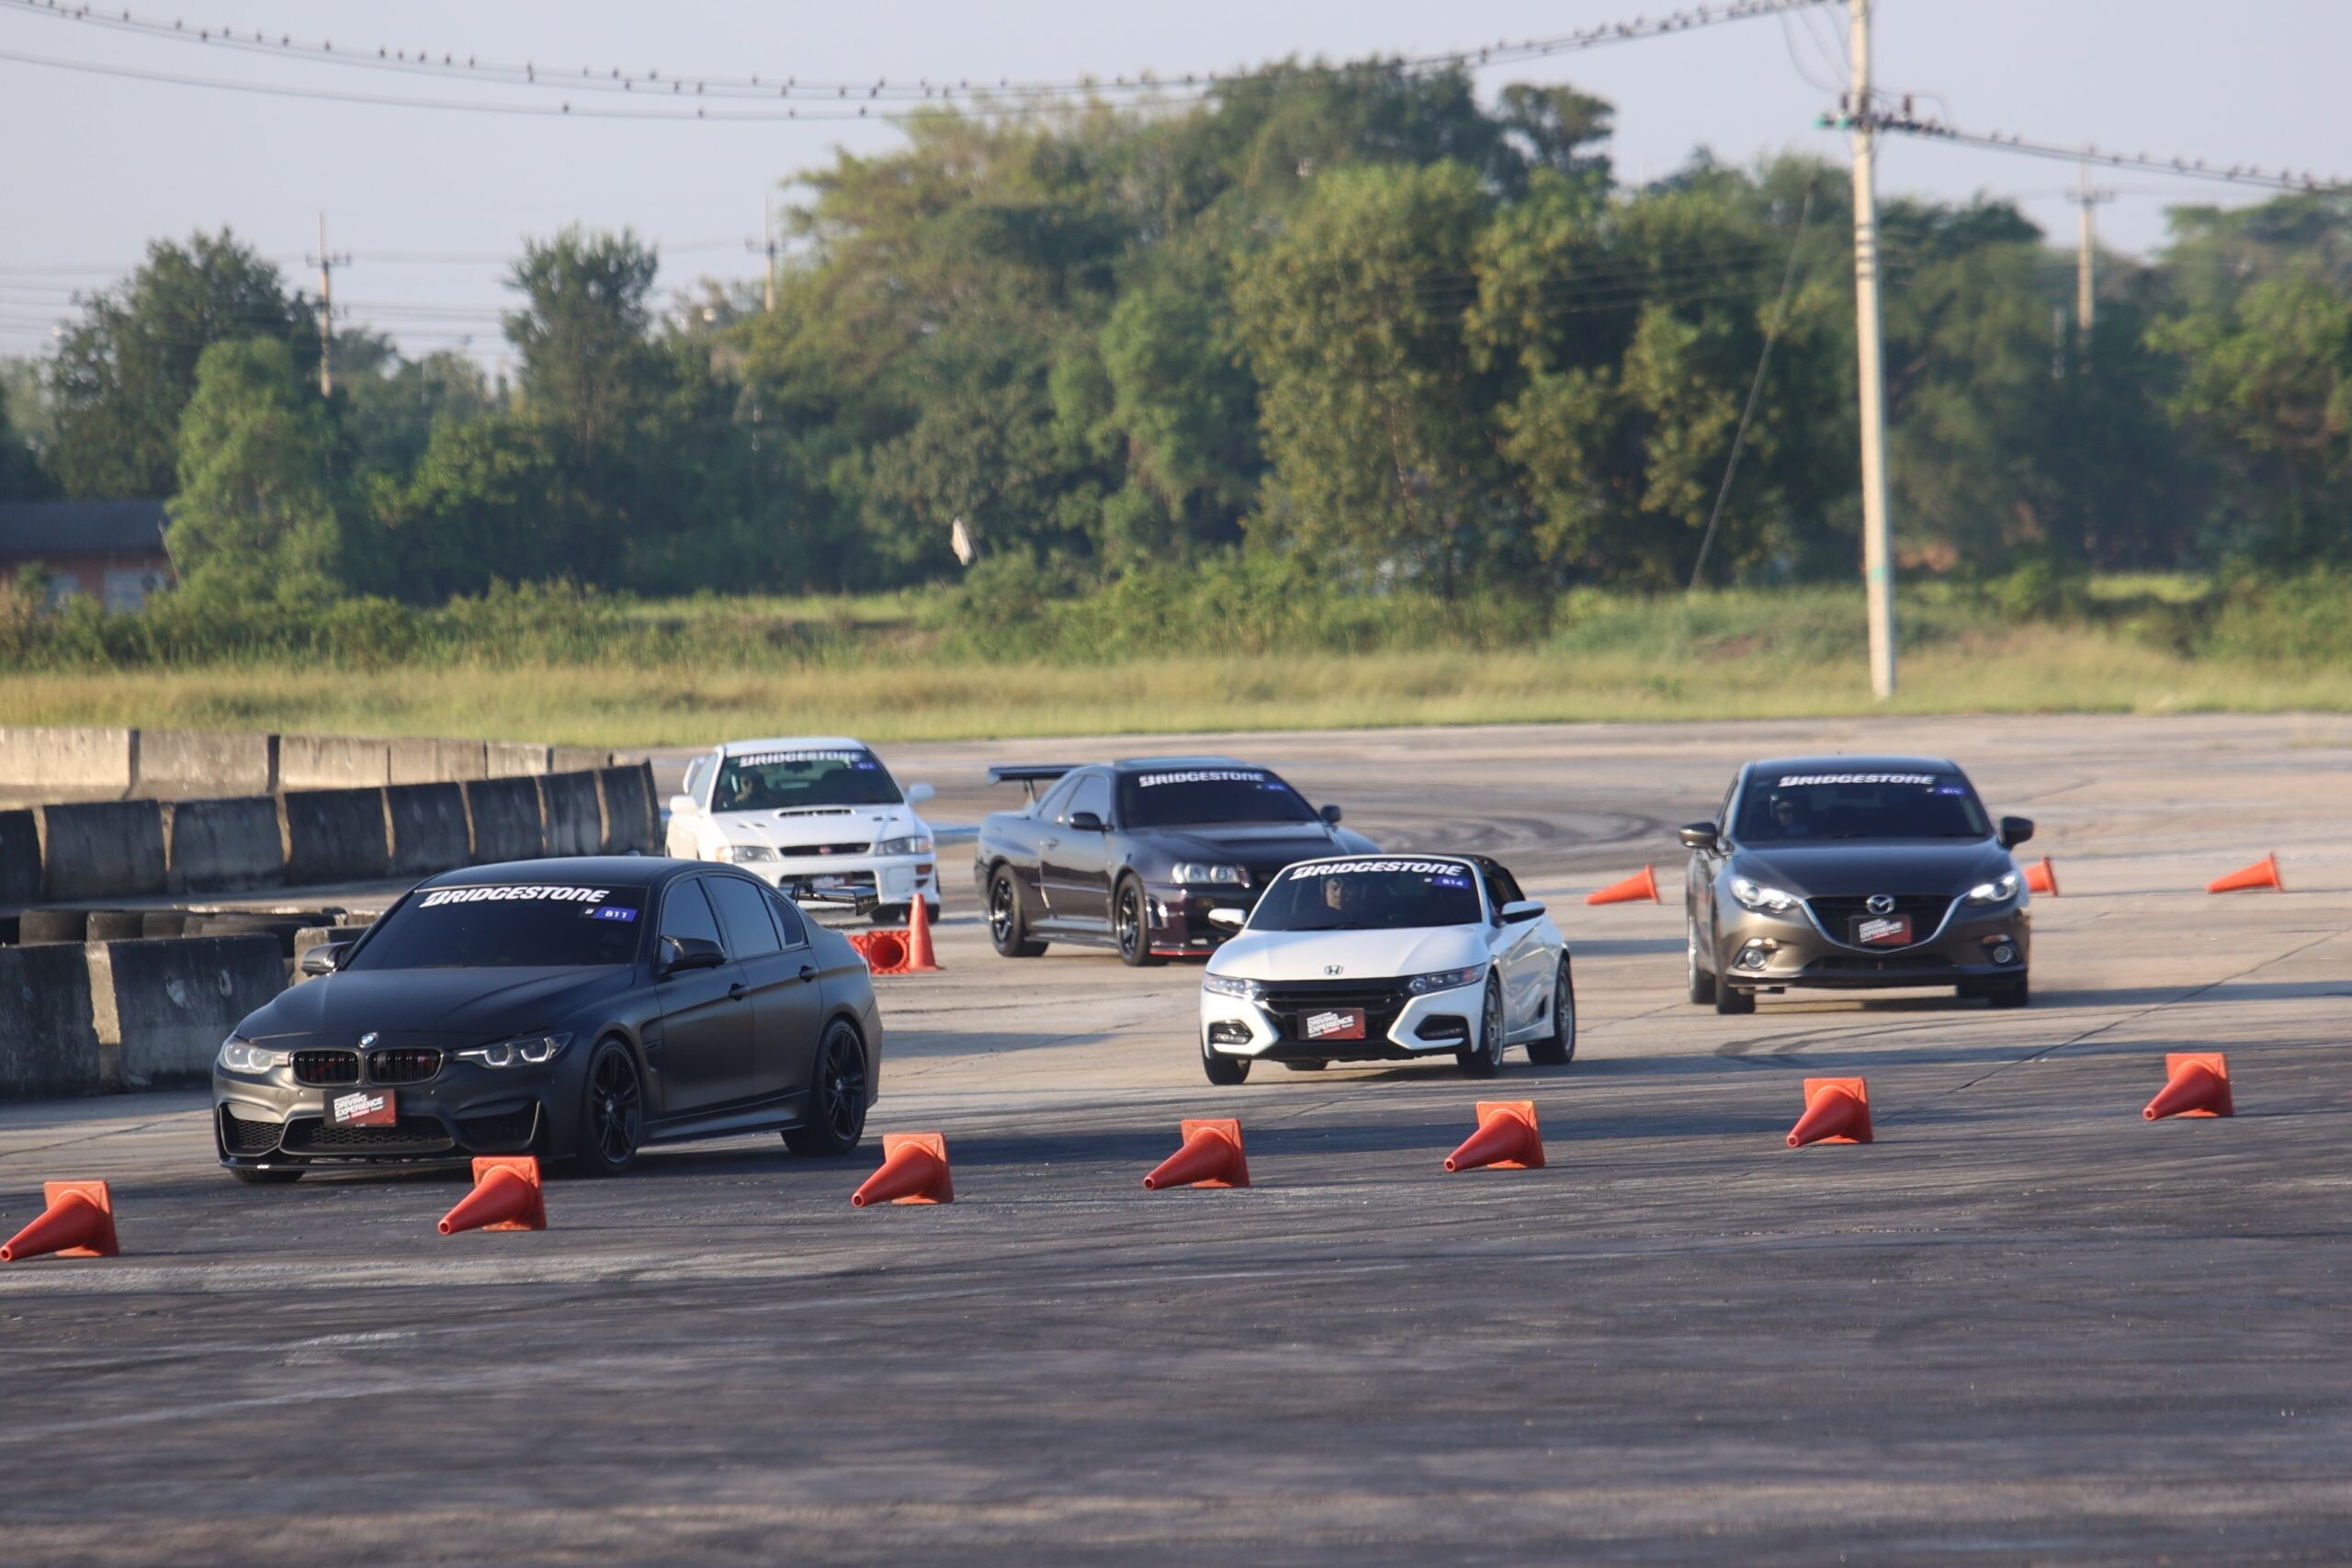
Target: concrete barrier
<point x="335" y="835"/>
<point x="20" y="857"/>
<point x="333" y="761"/>
<point x="505" y="815"/>
<point x="221" y="846"/>
<point x="101" y="849"/>
<point x="630" y="824"/>
<point x="516" y="758"/>
<point x="102" y="761"/>
<point x="162" y="1008"/>
<point x="574" y="810"/>
<point x="428" y="828"/>
<point x="48" y="1043"/>
<point x="577" y="758"/>
<point x="438" y="761"/>
<point x="173" y="762"/>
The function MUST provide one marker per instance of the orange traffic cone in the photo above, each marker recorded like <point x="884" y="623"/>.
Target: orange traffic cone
<point x="1507" y="1138"/>
<point x="77" y="1221"/>
<point x="1633" y="890"/>
<point x="2041" y="877"/>
<point x="2262" y="874"/>
<point x="1211" y="1157"/>
<point x="914" y="1170"/>
<point x="1837" y="1111"/>
<point x="919" y="955"/>
<point x="2197" y="1083"/>
<point x="506" y="1197"/>
<point x="885" y="952"/>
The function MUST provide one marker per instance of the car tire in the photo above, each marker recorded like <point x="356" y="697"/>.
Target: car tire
<point x="2017" y="993"/>
<point x="888" y="915"/>
<point x="1487" y="1059"/>
<point x="1560" y="1047"/>
<point x="1733" y="1002"/>
<point x="1224" y="1071"/>
<point x="1131" y="925"/>
<point x="612" y="1111"/>
<point x="1700" y="982"/>
<point x="836" y="1123"/>
<point x="1007" y="922"/>
<point x="252" y="1178"/>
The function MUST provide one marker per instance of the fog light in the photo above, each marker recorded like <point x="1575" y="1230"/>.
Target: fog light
<point x="1752" y="956"/>
<point x="2005" y="954"/>
<point x="1225" y="1031"/>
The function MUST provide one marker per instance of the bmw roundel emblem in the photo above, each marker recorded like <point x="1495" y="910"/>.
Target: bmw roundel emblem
<point x="367" y="1039"/>
<point x="1880" y="904"/>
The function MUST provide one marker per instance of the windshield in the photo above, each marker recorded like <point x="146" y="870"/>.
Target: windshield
<point x="770" y="781"/>
<point x="1369" y="896"/>
<point x="506" y="926"/>
<point x="1812" y="807"/>
<point x="1191" y="795"/>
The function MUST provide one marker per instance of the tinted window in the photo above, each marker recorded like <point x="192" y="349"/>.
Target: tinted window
<point x="743" y="910"/>
<point x="1501" y="887"/>
<point x="788" y="920"/>
<point x="1369" y="895"/>
<point x="1182" y="797"/>
<point x="1093" y="795"/>
<point x="1815" y="806"/>
<point x="697" y="775"/>
<point x="685" y="912"/>
<point x="1050" y="807"/>
<point x="506" y="925"/>
<point x="769" y="781"/>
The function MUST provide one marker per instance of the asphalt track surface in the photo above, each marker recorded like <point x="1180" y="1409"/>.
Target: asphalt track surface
<point x="2023" y="1325"/>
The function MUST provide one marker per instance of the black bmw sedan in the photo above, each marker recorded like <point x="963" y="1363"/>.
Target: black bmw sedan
<point x="577" y="1009"/>
<point x="1133" y="855"/>
<point x="1856" y="873"/>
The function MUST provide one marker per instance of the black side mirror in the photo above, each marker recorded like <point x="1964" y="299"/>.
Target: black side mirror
<point x="1698" y="835"/>
<point x="681" y="954"/>
<point x="325" y="958"/>
<point x="1330" y="815"/>
<point x="2015" y="830"/>
<point x="1085" y="822"/>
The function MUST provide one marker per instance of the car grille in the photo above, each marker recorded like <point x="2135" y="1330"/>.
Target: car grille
<point x="1837" y="911"/>
<point x="1284" y="1004"/>
<point x="326" y="1066"/>
<point x="509" y="1130"/>
<point x="411" y="1065"/>
<point x="409" y="1135"/>
<point x="793" y="852"/>
<point x="239" y="1137"/>
<point x="1911" y="962"/>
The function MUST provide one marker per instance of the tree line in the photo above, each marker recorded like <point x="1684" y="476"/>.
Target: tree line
<point x="1355" y="320"/>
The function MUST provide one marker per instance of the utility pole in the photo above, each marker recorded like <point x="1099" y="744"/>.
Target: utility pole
<point x="766" y="245"/>
<point x="1878" y="555"/>
<point x="2086" y="263"/>
<point x="326" y="262"/>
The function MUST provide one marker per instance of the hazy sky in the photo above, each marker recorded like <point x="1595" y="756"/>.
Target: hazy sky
<point x="91" y="167"/>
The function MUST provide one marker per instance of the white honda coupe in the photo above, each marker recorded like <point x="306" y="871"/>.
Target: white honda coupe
<point x="1388" y="958"/>
<point x="818" y="816"/>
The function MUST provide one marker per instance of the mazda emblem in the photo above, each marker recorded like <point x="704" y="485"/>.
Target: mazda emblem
<point x="1335" y="968"/>
<point x="1880" y="904"/>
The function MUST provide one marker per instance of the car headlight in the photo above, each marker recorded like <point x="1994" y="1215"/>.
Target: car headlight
<point x="533" y="1050"/>
<point x="2000" y="891"/>
<point x="1446" y="980"/>
<point x="1227" y="985"/>
<point x="917" y="845"/>
<point x="1190" y="871"/>
<point x="743" y="854"/>
<point x="1771" y="900"/>
<point x="245" y="1056"/>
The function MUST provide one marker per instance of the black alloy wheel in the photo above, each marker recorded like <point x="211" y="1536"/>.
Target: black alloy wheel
<point x="1007" y="927"/>
<point x="836" y="1121"/>
<point x="1487" y="1059"/>
<point x="1560" y="1046"/>
<point x="1131" y="922"/>
<point x="613" y="1115"/>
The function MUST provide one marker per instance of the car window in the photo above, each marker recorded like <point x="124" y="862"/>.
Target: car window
<point x="505" y="925"/>
<point x="783" y="781"/>
<point x="1049" y="809"/>
<point x="1188" y="796"/>
<point x="685" y="912"/>
<point x="788" y="920"/>
<point x="1811" y="807"/>
<point x="743" y="910"/>
<point x="1390" y="893"/>
<point x="1093" y="795"/>
<point x="1501" y="887"/>
<point x="697" y="775"/>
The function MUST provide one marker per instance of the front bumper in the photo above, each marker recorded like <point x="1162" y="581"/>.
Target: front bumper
<point x="1179" y="918"/>
<point x="273" y="1123"/>
<point x="862" y="881"/>
<point x="1397" y="1026"/>
<point x="1967" y="946"/>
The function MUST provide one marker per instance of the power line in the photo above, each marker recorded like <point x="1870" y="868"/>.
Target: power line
<point x="1906" y="123"/>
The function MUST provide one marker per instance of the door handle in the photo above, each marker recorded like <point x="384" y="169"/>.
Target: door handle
<point x="807" y="973"/>
<point x="735" y="992"/>
<point x="1050" y="843"/>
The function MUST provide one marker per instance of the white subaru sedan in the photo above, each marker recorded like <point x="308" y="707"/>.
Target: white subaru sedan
<point x="1368" y="958"/>
<point x="818" y="816"/>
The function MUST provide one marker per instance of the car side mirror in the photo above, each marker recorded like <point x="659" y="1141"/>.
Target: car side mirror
<point x="681" y="954"/>
<point x="1085" y="822"/>
<point x="1330" y="815"/>
<point x="1520" y="913"/>
<point x="681" y="804"/>
<point x="2015" y="830"/>
<point x="1698" y="835"/>
<point x="325" y="958"/>
<point x="918" y="793"/>
<point x="1233" y="920"/>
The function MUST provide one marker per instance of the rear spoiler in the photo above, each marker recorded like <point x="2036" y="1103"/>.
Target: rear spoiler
<point x="1030" y="775"/>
